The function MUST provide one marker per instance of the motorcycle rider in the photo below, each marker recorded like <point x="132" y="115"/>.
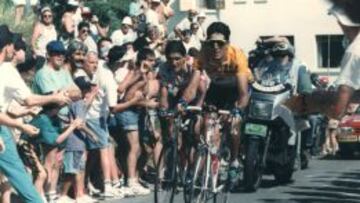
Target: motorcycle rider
<point x="282" y="59"/>
<point x="227" y="67"/>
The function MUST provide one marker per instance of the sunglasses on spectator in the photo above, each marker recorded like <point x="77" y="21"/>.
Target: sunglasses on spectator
<point x="174" y="58"/>
<point x="47" y="16"/>
<point x="84" y="31"/>
<point x="218" y="43"/>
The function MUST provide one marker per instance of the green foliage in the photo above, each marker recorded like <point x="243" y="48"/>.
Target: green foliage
<point x="7" y="16"/>
<point x="114" y="10"/>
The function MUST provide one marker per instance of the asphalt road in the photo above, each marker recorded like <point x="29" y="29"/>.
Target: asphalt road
<point x="326" y="181"/>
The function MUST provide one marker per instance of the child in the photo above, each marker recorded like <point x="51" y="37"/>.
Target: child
<point x="52" y="138"/>
<point x="75" y="151"/>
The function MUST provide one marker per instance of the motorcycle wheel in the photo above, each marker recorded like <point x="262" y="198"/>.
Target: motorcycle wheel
<point x="252" y="166"/>
<point x="283" y="173"/>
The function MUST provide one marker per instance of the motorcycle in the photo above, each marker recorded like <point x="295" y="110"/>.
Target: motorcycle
<point x="271" y="140"/>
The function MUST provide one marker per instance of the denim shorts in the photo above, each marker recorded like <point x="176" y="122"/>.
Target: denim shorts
<point x="74" y="162"/>
<point x="100" y="128"/>
<point x="128" y="120"/>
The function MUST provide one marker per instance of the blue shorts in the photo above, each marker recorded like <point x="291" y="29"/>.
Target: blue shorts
<point x="74" y="162"/>
<point x="100" y="128"/>
<point x="128" y="120"/>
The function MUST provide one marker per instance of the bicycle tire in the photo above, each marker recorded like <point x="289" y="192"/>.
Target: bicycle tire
<point x="165" y="189"/>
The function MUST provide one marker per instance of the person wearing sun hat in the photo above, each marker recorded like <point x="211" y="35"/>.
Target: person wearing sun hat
<point x="334" y="104"/>
<point x="125" y="33"/>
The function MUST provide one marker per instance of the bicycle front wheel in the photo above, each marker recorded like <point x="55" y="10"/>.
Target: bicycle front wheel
<point x="201" y="183"/>
<point x="166" y="175"/>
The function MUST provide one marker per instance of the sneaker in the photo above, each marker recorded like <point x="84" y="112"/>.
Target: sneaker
<point x="65" y="199"/>
<point x="138" y="190"/>
<point x="44" y="199"/>
<point x="126" y="191"/>
<point x="86" y="199"/>
<point x="117" y="193"/>
<point x="92" y="190"/>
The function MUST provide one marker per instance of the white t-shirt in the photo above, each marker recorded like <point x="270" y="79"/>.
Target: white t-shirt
<point x="118" y="38"/>
<point x="152" y="17"/>
<point x="12" y="86"/>
<point x="185" y="24"/>
<point x="194" y="43"/>
<point x="350" y="66"/>
<point x="107" y="96"/>
<point x="90" y="43"/>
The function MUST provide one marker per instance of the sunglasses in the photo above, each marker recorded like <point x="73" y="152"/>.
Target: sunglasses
<point x="174" y="58"/>
<point x="216" y="43"/>
<point x="85" y="31"/>
<point x="47" y="16"/>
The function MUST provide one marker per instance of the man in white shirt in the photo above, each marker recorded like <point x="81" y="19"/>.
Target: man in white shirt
<point x="96" y="118"/>
<point x="334" y="104"/>
<point x="13" y="87"/>
<point x="125" y="33"/>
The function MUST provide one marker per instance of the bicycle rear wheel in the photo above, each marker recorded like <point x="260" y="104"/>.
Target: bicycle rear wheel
<point x="166" y="175"/>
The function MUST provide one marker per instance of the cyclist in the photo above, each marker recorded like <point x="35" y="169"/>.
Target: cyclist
<point x="227" y="67"/>
<point x="175" y="75"/>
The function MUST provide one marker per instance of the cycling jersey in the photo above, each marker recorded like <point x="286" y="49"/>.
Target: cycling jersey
<point x="175" y="83"/>
<point x="234" y="63"/>
<point x="223" y="91"/>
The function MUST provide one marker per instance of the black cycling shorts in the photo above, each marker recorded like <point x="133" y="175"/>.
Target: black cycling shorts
<point x="222" y="95"/>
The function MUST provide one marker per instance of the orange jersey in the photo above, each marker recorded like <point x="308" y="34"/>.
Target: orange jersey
<point x="234" y="63"/>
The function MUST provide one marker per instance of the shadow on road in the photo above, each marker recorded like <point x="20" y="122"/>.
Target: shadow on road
<point x="332" y="188"/>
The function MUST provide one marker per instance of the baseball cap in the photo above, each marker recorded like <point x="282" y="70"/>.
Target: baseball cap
<point x="127" y="21"/>
<point x="55" y="47"/>
<point x="83" y="83"/>
<point x="342" y="17"/>
<point x="6" y="36"/>
<point x="156" y="1"/>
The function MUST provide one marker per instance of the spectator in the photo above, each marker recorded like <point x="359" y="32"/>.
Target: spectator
<point x="165" y="13"/>
<point x="53" y="138"/>
<point x="135" y="8"/>
<point x="20" y="7"/>
<point x="152" y="16"/>
<point x="75" y="55"/>
<point x="190" y="41"/>
<point x="129" y="118"/>
<point x="104" y="46"/>
<point x="53" y="76"/>
<point x="105" y="101"/>
<point x="125" y="33"/>
<point x="13" y="87"/>
<point x="85" y="37"/>
<point x="68" y="25"/>
<point x="185" y="24"/>
<point x="44" y="32"/>
<point x="20" y="50"/>
<point x="75" y="156"/>
<point x="201" y="34"/>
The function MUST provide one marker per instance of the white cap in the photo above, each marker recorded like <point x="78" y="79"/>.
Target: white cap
<point x="73" y="3"/>
<point x="127" y="21"/>
<point x="342" y="17"/>
<point x="156" y="1"/>
<point x="86" y="10"/>
<point x="202" y="14"/>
